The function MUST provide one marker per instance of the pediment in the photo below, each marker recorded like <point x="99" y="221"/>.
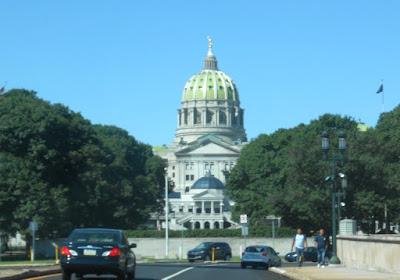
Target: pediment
<point x="209" y="147"/>
<point x="207" y="195"/>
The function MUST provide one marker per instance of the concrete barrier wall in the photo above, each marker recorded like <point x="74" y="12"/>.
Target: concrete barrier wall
<point x="155" y="247"/>
<point x="376" y="252"/>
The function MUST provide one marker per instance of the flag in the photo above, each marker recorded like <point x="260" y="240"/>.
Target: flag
<point x="2" y="90"/>
<point x="380" y="89"/>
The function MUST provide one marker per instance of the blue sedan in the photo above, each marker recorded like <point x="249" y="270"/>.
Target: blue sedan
<point x="263" y="256"/>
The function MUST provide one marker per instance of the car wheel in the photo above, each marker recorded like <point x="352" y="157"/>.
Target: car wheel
<point x="121" y="275"/>
<point x="207" y="258"/>
<point x="243" y="265"/>
<point x="280" y="263"/>
<point x="191" y="261"/>
<point x="228" y="258"/>
<point x="66" y="275"/>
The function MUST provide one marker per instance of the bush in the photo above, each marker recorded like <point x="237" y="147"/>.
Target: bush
<point x="254" y="231"/>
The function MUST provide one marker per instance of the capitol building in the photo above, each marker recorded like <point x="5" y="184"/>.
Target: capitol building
<point x="209" y="137"/>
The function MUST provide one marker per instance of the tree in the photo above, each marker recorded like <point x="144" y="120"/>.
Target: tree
<point x="63" y="172"/>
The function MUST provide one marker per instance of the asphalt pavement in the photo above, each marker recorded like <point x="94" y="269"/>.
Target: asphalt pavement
<point x="180" y="271"/>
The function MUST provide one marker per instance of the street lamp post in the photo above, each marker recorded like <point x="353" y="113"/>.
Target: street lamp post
<point x="166" y="214"/>
<point x="334" y="159"/>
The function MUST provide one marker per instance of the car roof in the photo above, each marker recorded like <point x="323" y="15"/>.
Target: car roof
<point x="262" y="246"/>
<point x="97" y="229"/>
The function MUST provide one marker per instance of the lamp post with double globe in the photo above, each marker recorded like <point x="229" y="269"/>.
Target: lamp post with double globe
<point x="334" y="159"/>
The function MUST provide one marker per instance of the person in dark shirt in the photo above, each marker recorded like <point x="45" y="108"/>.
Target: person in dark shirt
<point x="321" y="244"/>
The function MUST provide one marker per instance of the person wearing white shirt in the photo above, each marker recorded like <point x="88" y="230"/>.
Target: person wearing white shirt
<point x="300" y="243"/>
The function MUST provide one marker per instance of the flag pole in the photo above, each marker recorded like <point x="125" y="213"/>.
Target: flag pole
<point x="383" y="98"/>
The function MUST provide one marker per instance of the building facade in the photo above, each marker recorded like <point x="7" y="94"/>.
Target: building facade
<point x="209" y="137"/>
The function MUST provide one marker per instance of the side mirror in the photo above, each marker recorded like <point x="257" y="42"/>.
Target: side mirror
<point x="133" y="245"/>
<point x="277" y="253"/>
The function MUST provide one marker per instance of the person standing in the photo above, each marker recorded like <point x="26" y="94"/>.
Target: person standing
<point x="320" y="242"/>
<point x="300" y="243"/>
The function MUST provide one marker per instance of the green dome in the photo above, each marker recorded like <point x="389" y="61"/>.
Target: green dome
<point x="210" y="85"/>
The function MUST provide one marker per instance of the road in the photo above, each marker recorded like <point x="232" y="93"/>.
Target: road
<point x="181" y="271"/>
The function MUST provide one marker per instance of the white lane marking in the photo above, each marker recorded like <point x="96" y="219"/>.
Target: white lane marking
<point x="176" y="274"/>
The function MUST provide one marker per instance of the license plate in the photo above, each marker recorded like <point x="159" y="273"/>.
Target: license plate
<point x="88" y="252"/>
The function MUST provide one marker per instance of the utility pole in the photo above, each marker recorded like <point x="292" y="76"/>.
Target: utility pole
<point x="166" y="214"/>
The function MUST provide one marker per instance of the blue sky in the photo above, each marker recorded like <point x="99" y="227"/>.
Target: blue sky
<point x="125" y="63"/>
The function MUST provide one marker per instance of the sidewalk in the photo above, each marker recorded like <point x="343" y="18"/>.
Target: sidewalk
<point x="23" y="272"/>
<point x="332" y="273"/>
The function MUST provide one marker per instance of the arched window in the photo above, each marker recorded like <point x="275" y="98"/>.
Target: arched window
<point x="197" y="225"/>
<point x="222" y="117"/>
<point x="216" y="224"/>
<point x="207" y="225"/>
<point x="210" y="116"/>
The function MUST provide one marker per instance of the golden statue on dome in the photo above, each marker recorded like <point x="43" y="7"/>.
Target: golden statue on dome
<point x="209" y="42"/>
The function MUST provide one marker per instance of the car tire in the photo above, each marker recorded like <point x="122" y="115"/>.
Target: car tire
<point x="191" y="261"/>
<point x="122" y="276"/>
<point x="66" y="275"/>
<point x="207" y="258"/>
<point x="243" y="265"/>
<point x="280" y="263"/>
<point x="228" y="258"/>
<point x="268" y="265"/>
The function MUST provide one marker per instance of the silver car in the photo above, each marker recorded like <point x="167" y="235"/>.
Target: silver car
<point x="258" y="255"/>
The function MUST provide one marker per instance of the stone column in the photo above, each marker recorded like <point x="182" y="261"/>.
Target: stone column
<point x="204" y="117"/>
<point x="217" y="117"/>
<point x="238" y="118"/>
<point x="220" y="207"/>
<point x="221" y="224"/>
<point x="201" y="224"/>
<point x="202" y="207"/>
<point x="212" y="207"/>
<point x="179" y="118"/>
<point x="229" y="116"/>
<point x="211" y="224"/>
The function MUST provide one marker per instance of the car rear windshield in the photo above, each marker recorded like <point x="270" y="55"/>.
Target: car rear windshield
<point x="255" y="249"/>
<point x="94" y="237"/>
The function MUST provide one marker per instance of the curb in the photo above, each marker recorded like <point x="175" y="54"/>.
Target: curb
<point x="31" y="273"/>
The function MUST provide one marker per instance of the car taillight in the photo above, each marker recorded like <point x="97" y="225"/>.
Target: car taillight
<point x="65" y="251"/>
<point x="265" y="253"/>
<point x="116" y="252"/>
<point x="243" y="253"/>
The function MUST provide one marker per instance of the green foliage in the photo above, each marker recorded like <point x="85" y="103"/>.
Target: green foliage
<point x="63" y="172"/>
<point x="254" y="231"/>
<point x="283" y="174"/>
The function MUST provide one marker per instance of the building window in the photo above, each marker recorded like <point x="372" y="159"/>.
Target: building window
<point x="173" y="167"/>
<point x="187" y="189"/>
<point x="187" y="177"/>
<point x="209" y="165"/>
<point x="229" y="165"/>
<point x="189" y="165"/>
<point x="192" y="177"/>
<point x="173" y="175"/>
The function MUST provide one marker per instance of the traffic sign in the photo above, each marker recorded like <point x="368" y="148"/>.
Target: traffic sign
<point x="33" y="226"/>
<point x="243" y="219"/>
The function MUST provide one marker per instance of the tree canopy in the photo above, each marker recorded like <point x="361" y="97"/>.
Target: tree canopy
<point x="283" y="174"/>
<point x="63" y="172"/>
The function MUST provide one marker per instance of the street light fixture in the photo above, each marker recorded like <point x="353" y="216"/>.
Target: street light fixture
<point x="334" y="159"/>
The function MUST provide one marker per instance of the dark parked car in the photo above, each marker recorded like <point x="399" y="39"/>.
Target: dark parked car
<point x="310" y="255"/>
<point x="263" y="256"/>
<point x="98" y="251"/>
<point x="222" y="251"/>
